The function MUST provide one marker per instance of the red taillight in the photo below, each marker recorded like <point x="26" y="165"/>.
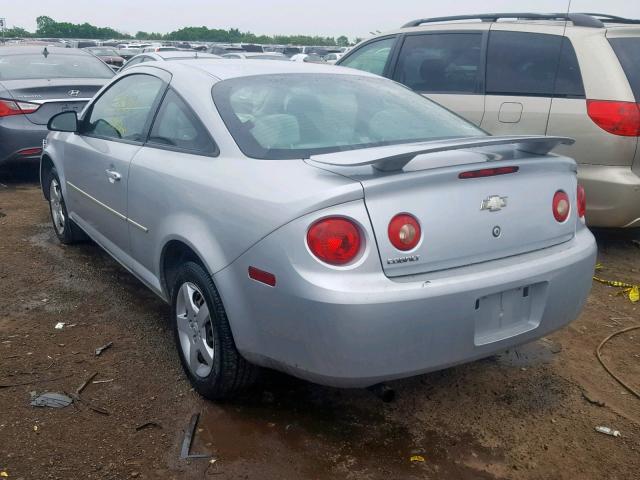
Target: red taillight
<point x="488" y="172"/>
<point x="582" y="201"/>
<point x="404" y="231"/>
<point x="29" y="152"/>
<point x="561" y="206"/>
<point x="262" y="276"/>
<point x="619" y="118"/>
<point x="334" y="240"/>
<point x="9" y="107"/>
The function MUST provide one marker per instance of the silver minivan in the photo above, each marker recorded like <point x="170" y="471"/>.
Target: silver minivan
<point x="575" y="75"/>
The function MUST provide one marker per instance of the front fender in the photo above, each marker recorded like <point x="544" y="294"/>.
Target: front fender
<point x="53" y="156"/>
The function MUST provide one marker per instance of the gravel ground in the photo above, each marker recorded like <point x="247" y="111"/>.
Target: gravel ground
<point x="529" y="413"/>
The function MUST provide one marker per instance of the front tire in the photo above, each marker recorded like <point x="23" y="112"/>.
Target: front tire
<point x="66" y="229"/>
<point x="203" y="337"/>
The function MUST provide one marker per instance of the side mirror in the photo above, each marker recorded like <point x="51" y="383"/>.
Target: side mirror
<point x="64" y="122"/>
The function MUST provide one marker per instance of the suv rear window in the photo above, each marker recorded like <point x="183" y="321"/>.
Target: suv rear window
<point x="441" y="63"/>
<point x="628" y="52"/>
<point x="520" y="63"/>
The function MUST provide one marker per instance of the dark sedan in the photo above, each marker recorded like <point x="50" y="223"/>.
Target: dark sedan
<point x="36" y="83"/>
<point x="108" y="55"/>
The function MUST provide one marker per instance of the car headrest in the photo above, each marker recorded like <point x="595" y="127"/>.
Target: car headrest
<point x="301" y="104"/>
<point x="276" y="131"/>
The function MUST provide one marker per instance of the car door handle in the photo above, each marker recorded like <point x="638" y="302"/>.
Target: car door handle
<point x="113" y="176"/>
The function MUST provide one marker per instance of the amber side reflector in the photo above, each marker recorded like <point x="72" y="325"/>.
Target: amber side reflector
<point x="488" y="172"/>
<point x="262" y="276"/>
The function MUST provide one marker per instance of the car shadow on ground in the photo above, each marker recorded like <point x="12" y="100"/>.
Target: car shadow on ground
<point x="15" y="174"/>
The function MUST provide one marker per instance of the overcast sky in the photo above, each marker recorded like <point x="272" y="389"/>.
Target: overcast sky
<point x="315" y="17"/>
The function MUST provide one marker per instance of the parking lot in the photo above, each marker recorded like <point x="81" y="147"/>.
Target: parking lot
<point x="528" y="413"/>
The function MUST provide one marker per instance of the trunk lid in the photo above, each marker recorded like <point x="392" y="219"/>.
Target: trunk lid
<point x="463" y="221"/>
<point x="54" y="96"/>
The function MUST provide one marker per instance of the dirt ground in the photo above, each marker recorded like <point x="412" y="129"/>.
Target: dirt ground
<point x="524" y="414"/>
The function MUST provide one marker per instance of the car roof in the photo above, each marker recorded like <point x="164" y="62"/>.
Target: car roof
<point x="520" y="21"/>
<point x="236" y="68"/>
<point x="166" y="54"/>
<point x="262" y="54"/>
<point x="31" y="49"/>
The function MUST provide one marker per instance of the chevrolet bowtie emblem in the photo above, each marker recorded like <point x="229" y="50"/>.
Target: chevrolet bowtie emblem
<point x="494" y="203"/>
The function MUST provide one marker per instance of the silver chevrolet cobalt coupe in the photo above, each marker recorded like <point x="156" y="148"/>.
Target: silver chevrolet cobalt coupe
<point x="319" y="220"/>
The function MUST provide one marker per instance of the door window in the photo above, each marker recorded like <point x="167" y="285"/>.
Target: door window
<point x="372" y="57"/>
<point x="569" y="81"/>
<point x="521" y="63"/>
<point x="441" y="63"/>
<point x="178" y="127"/>
<point x="123" y="111"/>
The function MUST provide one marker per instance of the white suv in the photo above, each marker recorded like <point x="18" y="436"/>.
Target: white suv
<point x="575" y="75"/>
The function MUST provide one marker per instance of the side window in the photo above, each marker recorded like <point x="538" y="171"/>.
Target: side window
<point x="522" y="63"/>
<point x="177" y="126"/>
<point x="569" y="81"/>
<point x="372" y="57"/>
<point x="441" y="63"/>
<point x="123" y="111"/>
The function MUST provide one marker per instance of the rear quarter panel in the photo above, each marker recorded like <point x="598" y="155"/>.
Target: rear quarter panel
<point x="593" y="145"/>
<point x="603" y="79"/>
<point x="220" y="206"/>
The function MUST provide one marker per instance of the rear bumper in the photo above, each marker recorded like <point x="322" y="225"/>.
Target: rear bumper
<point x="18" y="133"/>
<point x="613" y="195"/>
<point x="360" y="332"/>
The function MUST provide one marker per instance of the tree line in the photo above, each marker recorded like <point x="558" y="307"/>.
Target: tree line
<point x="49" y="28"/>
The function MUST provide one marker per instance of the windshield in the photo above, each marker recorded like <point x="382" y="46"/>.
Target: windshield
<point x="299" y="115"/>
<point x="628" y="51"/>
<point x="35" y="66"/>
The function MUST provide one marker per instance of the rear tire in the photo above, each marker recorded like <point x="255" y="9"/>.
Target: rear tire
<point x="66" y="229"/>
<point x="203" y="337"/>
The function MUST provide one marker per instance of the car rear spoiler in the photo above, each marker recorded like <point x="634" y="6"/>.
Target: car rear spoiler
<point x="390" y="158"/>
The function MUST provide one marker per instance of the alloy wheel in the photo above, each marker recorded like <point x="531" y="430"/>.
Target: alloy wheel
<point x="57" y="210"/>
<point x="195" y="329"/>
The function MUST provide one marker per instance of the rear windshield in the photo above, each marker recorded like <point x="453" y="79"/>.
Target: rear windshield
<point x="35" y="66"/>
<point x="628" y="52"/>
<point x="299" y="115"/>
